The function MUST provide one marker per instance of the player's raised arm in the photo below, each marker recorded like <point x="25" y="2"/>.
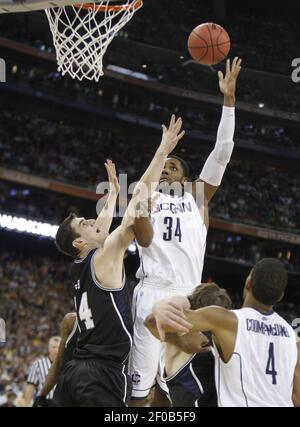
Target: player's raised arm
<point x="148" y="182"/>
<point x="296" y="388"/>
<point x="105" y="217"/>
<point x="215" y="166"/>
<point x="142" y="228"/>
<point x="138" y="226"/>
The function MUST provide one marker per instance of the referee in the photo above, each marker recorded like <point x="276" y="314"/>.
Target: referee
<point x="38" y="372"/>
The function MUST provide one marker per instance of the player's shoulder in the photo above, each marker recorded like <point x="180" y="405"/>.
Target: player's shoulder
<point x="81" y="262"/>
<point x="274" y="317"/>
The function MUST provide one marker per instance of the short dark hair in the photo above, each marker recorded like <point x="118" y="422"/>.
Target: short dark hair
<point x="184" y="164"/>
<point x="208" y="294"/>
<point x="269" y="280"/>
<point x="65" y="236"/>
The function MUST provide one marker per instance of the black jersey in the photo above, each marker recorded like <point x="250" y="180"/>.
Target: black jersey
<point x="194" y="383"/>
<point x="69" y="350"/>
<point x="104" y="316"/>
<point x="71" y="345"/>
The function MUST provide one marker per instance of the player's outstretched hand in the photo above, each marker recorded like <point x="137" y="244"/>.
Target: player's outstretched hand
<point x="112" y="176"/>
<point x="228" y="83"/>
<point x="169" y="317"/>
<point x="171" y="135"/>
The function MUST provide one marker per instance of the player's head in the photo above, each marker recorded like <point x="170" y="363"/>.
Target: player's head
<point x="175" y="170"/>
<point x="208" y="294"/>
<point x="266" y="282"/>
<point x="53" y="347"/>
<point x="76" y="234"/>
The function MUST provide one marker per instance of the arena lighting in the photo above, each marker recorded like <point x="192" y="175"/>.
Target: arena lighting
<point x="127" y="72"/>
<point x="24" y="225"/>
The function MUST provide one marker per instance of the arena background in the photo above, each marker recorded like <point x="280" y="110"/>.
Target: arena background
<point x="55" y="134"/>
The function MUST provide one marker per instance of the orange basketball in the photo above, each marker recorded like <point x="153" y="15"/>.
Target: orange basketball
<point x="209" y="44"/>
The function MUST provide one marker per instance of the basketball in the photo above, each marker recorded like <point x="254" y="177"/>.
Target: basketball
<point x="209" y="44"/>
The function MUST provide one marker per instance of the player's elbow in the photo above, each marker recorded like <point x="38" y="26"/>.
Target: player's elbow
<point x="144" y="243"/>
<point x="145" y="240"/>
<point x="143" y="233"/>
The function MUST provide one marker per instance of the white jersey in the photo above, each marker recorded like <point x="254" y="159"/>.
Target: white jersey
<point x="262" y="367"/>
<point x="175" y="257"/>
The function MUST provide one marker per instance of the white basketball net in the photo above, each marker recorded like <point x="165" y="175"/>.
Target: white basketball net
<point x="81" y="36"/>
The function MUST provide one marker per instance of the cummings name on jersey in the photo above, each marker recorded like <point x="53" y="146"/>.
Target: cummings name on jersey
<point x="262" y="328"/>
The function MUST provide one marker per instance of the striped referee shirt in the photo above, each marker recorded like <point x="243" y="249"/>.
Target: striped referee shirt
<point x="37" y="374"/>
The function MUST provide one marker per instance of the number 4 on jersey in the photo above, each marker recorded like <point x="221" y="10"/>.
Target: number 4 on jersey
<point x="85" y="313"/>
<point x="270" y="369"/>
<point x="178" y="230"/>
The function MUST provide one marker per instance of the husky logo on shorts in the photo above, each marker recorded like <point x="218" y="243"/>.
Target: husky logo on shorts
<point x="136" y="377"/>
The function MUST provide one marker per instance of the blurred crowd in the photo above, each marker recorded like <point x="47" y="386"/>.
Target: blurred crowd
<point x="245" y="250"/>
<point x="252" y="35"/>
<point x="34" y="299"/>
<point x="156" y="106"/>
<point x="258" y="195"/>
<point x="254" y="193"/>
<point x="252" y="29"/>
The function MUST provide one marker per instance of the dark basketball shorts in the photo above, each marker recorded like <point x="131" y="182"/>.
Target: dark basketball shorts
<point x="193" y="385"/>
<point x="92" y="383"/>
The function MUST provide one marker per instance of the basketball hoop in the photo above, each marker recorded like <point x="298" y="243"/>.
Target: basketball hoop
<point x="82" y="33"/>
